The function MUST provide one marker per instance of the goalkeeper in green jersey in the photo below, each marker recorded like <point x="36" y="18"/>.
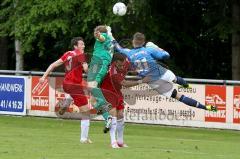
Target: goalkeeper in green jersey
<point x="98" y="68"/>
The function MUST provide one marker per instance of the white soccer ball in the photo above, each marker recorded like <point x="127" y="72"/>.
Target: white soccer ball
<point x="119" y="9"/>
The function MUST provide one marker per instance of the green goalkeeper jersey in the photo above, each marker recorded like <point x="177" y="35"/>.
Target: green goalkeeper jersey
<point x="103" y="50"/>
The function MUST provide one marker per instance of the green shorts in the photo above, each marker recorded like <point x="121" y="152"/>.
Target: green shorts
<point x="98" y="69"/>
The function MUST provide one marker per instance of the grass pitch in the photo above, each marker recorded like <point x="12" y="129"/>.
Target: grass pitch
<point x="45" y="138"/>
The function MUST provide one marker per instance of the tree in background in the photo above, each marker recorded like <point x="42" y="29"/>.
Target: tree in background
<point x="202" y="36"/>
<point x="44" y="27"/>
<point x="4" y="53"/>
<point x="222" y="28"/>
<point x="236" y="40"/>
<point x="199" y="34"/>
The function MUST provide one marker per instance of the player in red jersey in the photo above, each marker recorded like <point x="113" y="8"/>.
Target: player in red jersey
<point x="75" y="63"/>
<point x="111" y="87"/>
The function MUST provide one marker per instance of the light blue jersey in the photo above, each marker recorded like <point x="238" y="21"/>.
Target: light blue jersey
<point x="144" y="59"/>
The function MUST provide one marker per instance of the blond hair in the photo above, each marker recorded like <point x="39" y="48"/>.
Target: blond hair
<point x="101" y="29"/>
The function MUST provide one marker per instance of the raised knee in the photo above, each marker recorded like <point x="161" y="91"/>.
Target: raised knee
<point x="174" y="93"/>
<point x="92" y="84"/>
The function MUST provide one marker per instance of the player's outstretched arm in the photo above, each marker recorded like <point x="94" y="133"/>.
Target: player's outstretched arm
<point x="109" y="32"/>
<point x="157" y="52"/>
<point x="50" y="69"/>
<point x="131" y="83"/>
<point x="120" y="49"/>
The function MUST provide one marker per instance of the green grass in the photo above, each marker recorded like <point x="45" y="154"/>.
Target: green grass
<point x="46" y="138"/>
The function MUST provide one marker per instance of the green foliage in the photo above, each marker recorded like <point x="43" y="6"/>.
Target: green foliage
<point x="31" y="20"/>
<point x="217" y="18"/>
<point x="194" y="32"/>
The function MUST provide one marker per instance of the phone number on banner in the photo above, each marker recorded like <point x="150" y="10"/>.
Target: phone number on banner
<point x="11" y="104"/>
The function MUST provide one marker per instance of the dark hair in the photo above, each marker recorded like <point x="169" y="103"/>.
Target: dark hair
<point x="119" y="57"/>
<point x="74" y="41"/>
<point x="139" y="38"/>
<point x="101" y="28"/>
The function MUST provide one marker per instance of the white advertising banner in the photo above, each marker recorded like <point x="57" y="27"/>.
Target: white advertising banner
<point x="143" y="105"/>
<point x="45" y="98"/>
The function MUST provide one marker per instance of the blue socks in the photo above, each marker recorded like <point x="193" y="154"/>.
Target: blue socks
<point x="191" y="102"/>
<point x="181" y="81"/>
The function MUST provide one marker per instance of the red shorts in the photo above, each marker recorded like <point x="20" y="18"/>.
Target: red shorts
<point x="76" y="92"/>
<point x="115" y="99"/>
<point x="120" y="106"/>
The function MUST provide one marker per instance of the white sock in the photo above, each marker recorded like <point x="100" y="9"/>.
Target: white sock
<point x="84" y="129"/>
<point x="120" y="129"/>
<point x="113" y="130"/>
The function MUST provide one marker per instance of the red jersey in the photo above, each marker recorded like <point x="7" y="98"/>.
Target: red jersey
<point x="73" y="61"/>
<point x="111" y="85"/>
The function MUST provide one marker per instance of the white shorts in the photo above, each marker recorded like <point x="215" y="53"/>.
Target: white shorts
<point x="164" y="85"/>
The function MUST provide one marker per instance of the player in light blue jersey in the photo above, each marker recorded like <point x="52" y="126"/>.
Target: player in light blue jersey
<point x="144" y="61"/>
